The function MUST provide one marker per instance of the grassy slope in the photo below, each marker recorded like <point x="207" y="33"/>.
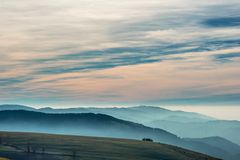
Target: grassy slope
<point x="14" y="146"/>
<point x="1" y="158"/>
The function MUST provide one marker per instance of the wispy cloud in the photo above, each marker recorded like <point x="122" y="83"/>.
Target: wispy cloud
<point x="223" y="22"/>
<point x="227" y="57"/>
<point x="90" y="50"/>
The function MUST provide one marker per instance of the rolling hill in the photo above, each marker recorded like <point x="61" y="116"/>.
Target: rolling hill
<point x="219" y="142"/>
<point x="222" y="128"/>
<point x="22" y="146"/>
<point x="98" y="125"/>
<point x="142" y="114"/>
<point x="183" y="124"/>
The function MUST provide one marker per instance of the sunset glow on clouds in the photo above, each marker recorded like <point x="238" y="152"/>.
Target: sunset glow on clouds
<point x="84" y="52"/>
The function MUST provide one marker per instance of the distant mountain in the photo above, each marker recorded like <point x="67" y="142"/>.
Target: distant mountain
<point x="227" y="129"/>
<point x="16" y="107"/>
<point x="227" y="147"/>
<point x="219" y="142"/>
<point x="142" y="114"/>
<point x="80" y="124"/>
<point x="183" y="124"/>
<point x="99" y="125"/>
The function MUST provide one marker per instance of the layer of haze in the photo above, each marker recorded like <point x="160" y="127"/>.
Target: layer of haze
<point x="222" y="113"/>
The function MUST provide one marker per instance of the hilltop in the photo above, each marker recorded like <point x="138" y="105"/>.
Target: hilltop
<point x="60" y="147"/>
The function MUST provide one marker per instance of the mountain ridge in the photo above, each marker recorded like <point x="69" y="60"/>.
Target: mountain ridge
<point x="90" y="124"/>
<point x="98" y="110"/>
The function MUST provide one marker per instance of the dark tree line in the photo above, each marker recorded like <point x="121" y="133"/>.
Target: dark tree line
<point x="33" y="149"/>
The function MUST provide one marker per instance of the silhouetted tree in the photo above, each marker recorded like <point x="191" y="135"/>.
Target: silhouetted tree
<point x="74" y="153"/>
<point x="147" y="139"/>
<point x="28" y="148"/>
<point x="43" y="150"/>
<point x="34" y="149"/>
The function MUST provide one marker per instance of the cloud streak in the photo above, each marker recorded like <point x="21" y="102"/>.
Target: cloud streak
<point x="88" y="51"/>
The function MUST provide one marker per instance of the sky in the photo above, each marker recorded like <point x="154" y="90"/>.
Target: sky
<point x="62" y="53"/>
<point x="222" y="113"/>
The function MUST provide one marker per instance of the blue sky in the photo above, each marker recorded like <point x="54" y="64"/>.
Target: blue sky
<point x="110" y="53"/>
